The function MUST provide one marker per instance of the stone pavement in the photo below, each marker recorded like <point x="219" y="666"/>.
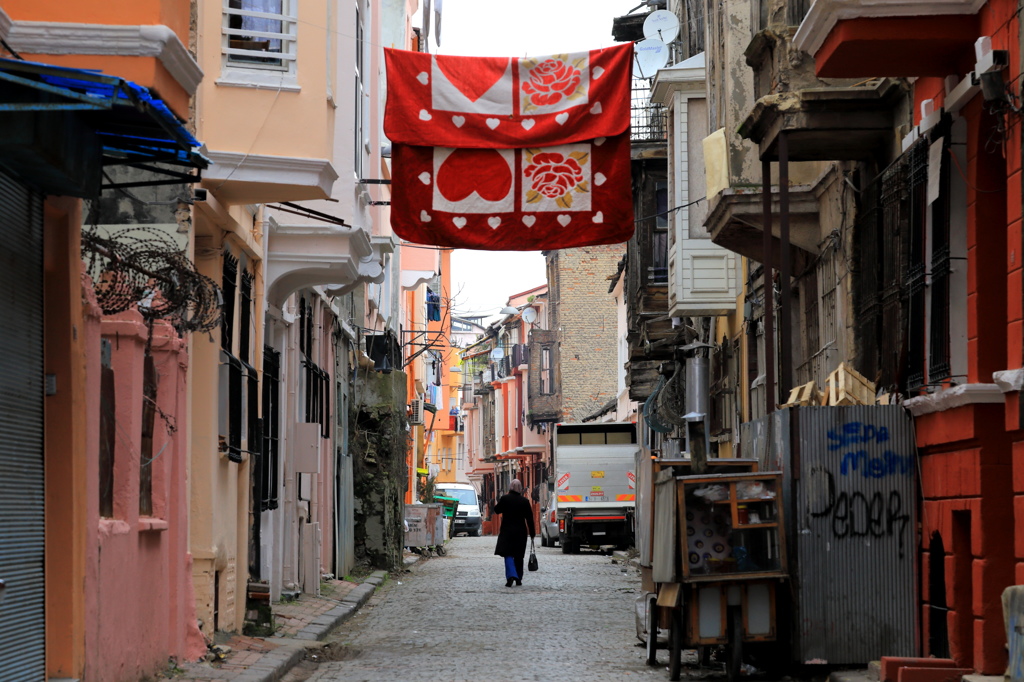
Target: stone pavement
<point x="452" y="618"/>
<point x="299" y="624"/>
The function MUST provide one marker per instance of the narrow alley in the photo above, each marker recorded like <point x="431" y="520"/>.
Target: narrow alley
<point x="452" y="618"/>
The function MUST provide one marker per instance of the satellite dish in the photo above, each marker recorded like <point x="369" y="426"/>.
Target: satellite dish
<point x="529" y="315"/>
<point x="649" y="56"/>
<point x="661" y="24"/>
<point x="497" y="353"/>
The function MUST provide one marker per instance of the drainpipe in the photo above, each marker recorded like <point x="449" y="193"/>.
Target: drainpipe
<point x="786" y="308"/>
<point x="769" y="294"/>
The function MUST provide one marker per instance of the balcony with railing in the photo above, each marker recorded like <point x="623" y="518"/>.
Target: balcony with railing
<point x="648" y="120"/>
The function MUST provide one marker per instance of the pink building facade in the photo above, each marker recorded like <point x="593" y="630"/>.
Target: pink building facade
<point x="138" y="589"/>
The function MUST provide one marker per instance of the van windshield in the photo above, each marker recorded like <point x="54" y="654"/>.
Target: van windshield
<point x="463" y="496"/>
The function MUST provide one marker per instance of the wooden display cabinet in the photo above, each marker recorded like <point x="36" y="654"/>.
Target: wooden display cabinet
<point x="731" y="527"/>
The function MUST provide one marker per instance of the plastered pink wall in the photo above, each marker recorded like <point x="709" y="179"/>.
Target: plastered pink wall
<point x="139" y="597"/>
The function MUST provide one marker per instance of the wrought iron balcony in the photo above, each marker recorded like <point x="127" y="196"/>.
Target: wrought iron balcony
<point x="648" y="121"/>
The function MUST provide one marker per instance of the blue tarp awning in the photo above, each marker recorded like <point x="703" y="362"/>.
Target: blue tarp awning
<point x="133" y="127"/>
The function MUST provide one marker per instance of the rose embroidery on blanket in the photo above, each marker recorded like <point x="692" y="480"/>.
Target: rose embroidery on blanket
<point x="551" y="81"/>
<point x="555" y="176"/>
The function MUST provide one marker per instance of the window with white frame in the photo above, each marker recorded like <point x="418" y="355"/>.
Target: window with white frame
<point x="259" y="34"/>
<point x="360" y="92"/>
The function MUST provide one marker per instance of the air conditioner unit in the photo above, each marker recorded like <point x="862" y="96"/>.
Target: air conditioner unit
<point x="416" y="412"/>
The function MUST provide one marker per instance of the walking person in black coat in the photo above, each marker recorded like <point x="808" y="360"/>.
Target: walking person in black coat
<point x="516" y="518"/>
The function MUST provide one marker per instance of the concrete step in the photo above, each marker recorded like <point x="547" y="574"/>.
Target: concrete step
<point x="860" y="675"/>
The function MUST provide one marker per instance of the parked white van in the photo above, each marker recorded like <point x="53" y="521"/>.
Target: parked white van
<point x="467" y="517"/>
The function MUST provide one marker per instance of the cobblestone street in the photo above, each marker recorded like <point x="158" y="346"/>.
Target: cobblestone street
<point x="452" y="618"/>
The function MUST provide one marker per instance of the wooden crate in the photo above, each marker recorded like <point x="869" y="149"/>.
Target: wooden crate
<point x="808" y="394"/>
<point x="846" y="386"/>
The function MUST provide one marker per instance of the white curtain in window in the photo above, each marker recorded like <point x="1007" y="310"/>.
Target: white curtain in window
<point x="260" y="23"/>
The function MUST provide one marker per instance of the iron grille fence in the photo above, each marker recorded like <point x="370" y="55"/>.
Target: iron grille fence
<point x="648" y="121"/>
<point x="896" y="275"/>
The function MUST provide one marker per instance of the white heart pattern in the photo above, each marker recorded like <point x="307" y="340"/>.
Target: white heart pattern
<point x="425" y="115"/>
<point x="599" y="179"/>
<point x="424" y="178"/>
<point x="424" y="217"/>
<point x="599" y="141"/>
<point x="459" y="222"/>
<point x="528" y="123"/>
<point x="562" y="118"/>
<point x="564" y="219"/>
<point x="423" y="77"/>
<point x="494" y="221"/>
<point x="458" y="121"/>
<point x="597" y="72"/>
<point x="529" y="220"/>
<point x="599" y="217"/>
<point x="596" y="109"/>
<point x="493" y="123"/>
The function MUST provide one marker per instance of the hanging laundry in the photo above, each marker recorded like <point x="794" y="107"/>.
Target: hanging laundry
<point x="510" y="154"/>
<point x="433" y="307"/>
<point x="506" y="103"/>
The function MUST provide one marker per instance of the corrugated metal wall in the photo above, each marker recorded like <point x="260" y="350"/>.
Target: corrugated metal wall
<point x="22" y="624"/>
<point x="855" y="513"/>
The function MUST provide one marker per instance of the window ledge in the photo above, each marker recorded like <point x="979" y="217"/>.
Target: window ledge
<point x="147" y="523"/>
<point x="950" y="398"/>
<point x="111" y="527"/>
<point x="234" y="77"/>
<point x="1009" y="380"/>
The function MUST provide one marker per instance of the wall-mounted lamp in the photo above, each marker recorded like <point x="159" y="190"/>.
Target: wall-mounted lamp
<point x="992" y="86"/>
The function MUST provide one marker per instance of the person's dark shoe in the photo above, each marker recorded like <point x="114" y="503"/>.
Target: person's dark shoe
<point x="519" y="582"/>
<point x="508" y="583"/>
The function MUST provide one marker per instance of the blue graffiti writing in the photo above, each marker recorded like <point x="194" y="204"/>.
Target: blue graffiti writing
<point x="852" y="433"/>
<point x="888" y="464"/>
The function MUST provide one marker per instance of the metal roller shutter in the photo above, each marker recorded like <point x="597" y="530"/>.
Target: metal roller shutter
<point x="22" y="621"/>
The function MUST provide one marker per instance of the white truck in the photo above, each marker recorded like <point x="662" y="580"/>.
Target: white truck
<point x="595" y="484"/>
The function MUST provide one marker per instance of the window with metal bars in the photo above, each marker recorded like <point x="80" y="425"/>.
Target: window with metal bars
<point x="316" y="383"/>
<point x="108" y="430"/>
<point x="149" y="395"/>
<point x="723" y="393"/>
<point x="245" y="318"/>
<point x="269" y="464"/>
<point x="259" y="34"/>
<point x="239" y="380"/>
<point x="229" y="280"/>
<point x="903" y="266"/>
<point x="939" y="368"/>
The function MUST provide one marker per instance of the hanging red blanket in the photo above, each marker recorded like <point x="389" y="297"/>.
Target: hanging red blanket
<point x="514" y="199"/>
<point x="510" y="154"/>
<point x="502" y="102"/>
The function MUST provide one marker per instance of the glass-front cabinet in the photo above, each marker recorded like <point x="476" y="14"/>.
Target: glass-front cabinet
<point x="731" y="526"/>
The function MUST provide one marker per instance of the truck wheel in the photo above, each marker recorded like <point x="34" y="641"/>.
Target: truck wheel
<point x="566" y="547"/>
<point x="477" y="533"/>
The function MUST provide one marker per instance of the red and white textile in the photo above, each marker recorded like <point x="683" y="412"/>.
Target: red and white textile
<point x="510" y="154"/>
<point x="499" y="102"/>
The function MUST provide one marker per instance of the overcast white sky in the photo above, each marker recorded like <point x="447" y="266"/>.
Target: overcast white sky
<point x="483" y="280"/>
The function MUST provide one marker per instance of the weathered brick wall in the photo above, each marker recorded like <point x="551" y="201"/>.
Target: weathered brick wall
<point x="585" y="317"/>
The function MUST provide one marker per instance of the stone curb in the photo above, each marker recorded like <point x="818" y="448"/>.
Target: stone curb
<point x="273" y="665"/>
